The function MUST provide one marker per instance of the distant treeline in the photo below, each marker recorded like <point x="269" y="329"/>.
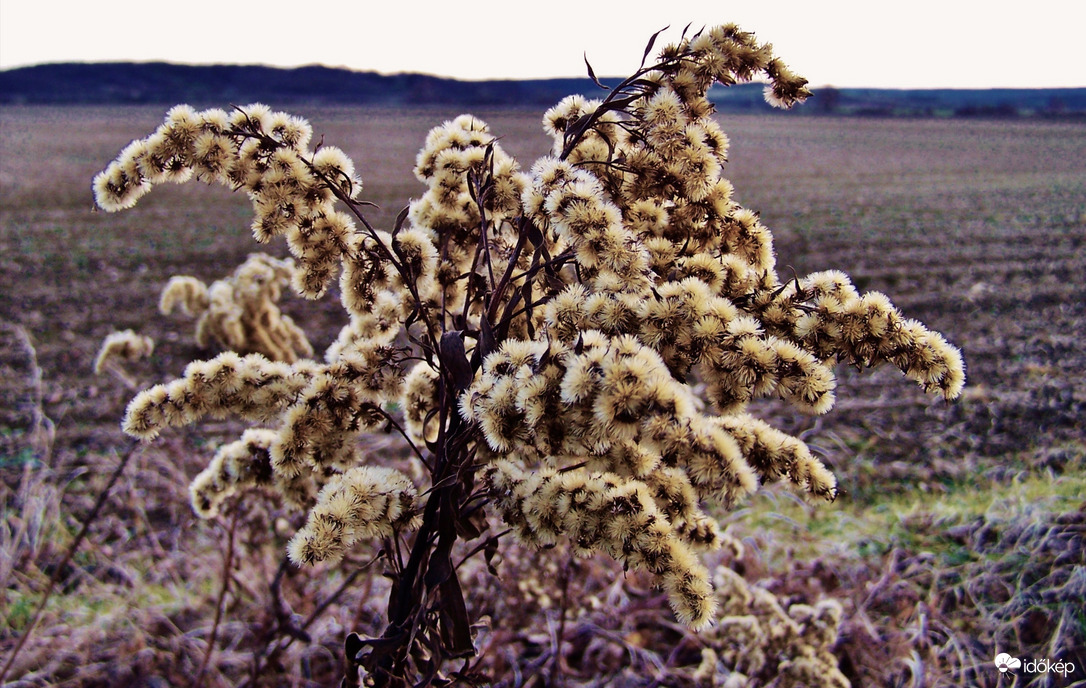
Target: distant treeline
<point x="995" y="102"/>
<point x="166" y="84"/>
<point x="161" y="83"/>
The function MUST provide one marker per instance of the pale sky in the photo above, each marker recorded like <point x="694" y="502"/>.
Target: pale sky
<point x="896" y="44"/>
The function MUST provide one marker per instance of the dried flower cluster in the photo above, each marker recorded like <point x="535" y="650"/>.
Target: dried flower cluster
<point x="261" y="152"/>
<point x="586" y="337"/>
<point x="119" y="348"/>
<point x="758" y="637"/>
<point x="122" y="346"/>
<point x="240" y="312"/>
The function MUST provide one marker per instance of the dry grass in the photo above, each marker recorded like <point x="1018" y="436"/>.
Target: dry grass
<point x="961" y="533"/>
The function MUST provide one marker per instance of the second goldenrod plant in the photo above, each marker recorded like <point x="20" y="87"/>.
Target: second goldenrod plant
<point x="241" y="312"/>
<point x="569" y="347"/>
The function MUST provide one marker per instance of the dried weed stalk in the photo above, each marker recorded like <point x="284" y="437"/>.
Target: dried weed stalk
<point x="569" y="348"/>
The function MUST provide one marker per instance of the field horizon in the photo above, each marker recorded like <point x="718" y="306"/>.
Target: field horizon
<point x="132" y="83"/>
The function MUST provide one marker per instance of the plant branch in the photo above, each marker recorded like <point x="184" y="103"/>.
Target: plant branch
<point x="227" y="563"/>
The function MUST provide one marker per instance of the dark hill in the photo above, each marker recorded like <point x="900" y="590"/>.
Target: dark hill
<point x="166" y="84"/>
<point x="162" y="83"/>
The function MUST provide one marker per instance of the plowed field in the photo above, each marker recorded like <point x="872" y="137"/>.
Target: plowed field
<point x="977" y="228"/>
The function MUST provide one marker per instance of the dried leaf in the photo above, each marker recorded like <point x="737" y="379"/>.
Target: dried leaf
<point x="592" y="74"/>
<point x="487" y="340"/>
<point x="535" y="236"/>
<point x="400" y="219"/>
<point x="454" y="360"/>
<point x="455" y="623"/>
<point x="652" y="42"/>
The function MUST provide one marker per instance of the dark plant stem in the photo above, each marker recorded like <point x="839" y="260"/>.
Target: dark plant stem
<point x="556" y="667"/>
<point x="227" y="564"/>
<point x="265" y="657"/>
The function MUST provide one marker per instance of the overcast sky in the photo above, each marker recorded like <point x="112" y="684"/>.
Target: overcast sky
<point x="914" y="44"/>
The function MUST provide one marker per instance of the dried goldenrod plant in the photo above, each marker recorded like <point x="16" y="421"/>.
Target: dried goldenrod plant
<point x="240" y="312"/>
<point x="569" y="347"/>
<point x="119" y="348"/>
<point x="756" y="630"/>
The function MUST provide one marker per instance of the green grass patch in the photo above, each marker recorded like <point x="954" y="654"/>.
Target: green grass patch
<point x="915" y="522"/>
